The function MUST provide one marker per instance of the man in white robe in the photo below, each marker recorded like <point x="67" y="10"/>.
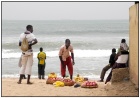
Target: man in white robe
<point x="27" y="56"/>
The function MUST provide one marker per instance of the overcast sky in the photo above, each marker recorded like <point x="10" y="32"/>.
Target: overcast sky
<point x="65" y="10"/>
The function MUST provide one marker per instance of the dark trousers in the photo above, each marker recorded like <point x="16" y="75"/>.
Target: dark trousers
<point x="41" y="69"/>
<point x="116" y="65"/>
<point x="69" y="65"/>
<point x="106" y="68"/>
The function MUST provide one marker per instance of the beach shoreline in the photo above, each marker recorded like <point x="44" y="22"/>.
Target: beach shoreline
<point x="40" y="88"/>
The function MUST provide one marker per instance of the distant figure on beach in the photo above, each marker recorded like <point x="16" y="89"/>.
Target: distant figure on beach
<point x="66" y="59"/>
<point x="107" y="67"/>
<point x="41" y="63"/>
<point x="27" y="56"/>
<point x="123" y="45"/>
<point x="120" y="63"/>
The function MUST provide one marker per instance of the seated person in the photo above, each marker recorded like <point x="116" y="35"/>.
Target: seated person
<point x="120" y="63"/>
<point x="107" y="67"/>
<point x="123" y="45"/>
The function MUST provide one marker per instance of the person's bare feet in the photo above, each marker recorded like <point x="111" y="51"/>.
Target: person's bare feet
<point x="29" y="83"/>
<point x="100" y="81"/>
<point x="18" y="82"/>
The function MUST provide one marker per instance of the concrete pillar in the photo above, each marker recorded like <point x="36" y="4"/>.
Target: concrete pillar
<point x="133" y="43"/>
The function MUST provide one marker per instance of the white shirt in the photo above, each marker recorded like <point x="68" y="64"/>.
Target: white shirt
<point x="30" y="37"/>
<point x="123" y="58"/>
<point x="124" y="45"/>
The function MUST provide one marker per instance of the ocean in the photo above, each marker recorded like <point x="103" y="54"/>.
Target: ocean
<point x="92" y="41"/>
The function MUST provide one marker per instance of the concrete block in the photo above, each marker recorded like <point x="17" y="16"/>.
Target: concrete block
<point x="119" y="74"/>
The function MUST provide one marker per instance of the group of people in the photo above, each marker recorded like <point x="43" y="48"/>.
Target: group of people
<point x="115" y="61"/>
<point x="119" y="60"/>
<point x="27" y="57"/>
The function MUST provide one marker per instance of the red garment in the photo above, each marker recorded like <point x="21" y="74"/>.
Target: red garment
<point x="69" y="66"/>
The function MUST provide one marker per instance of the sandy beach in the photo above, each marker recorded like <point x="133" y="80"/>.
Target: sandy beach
<point x="40" y="88"/>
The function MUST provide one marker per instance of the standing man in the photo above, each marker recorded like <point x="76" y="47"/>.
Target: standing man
<point x="107" y="67"/>
<point x="41" y="63"/>
<point x="65" y="58"/>
<point x="27" y="56"/>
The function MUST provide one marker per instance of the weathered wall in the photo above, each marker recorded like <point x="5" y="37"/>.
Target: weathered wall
<point x="133" y="43"/>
